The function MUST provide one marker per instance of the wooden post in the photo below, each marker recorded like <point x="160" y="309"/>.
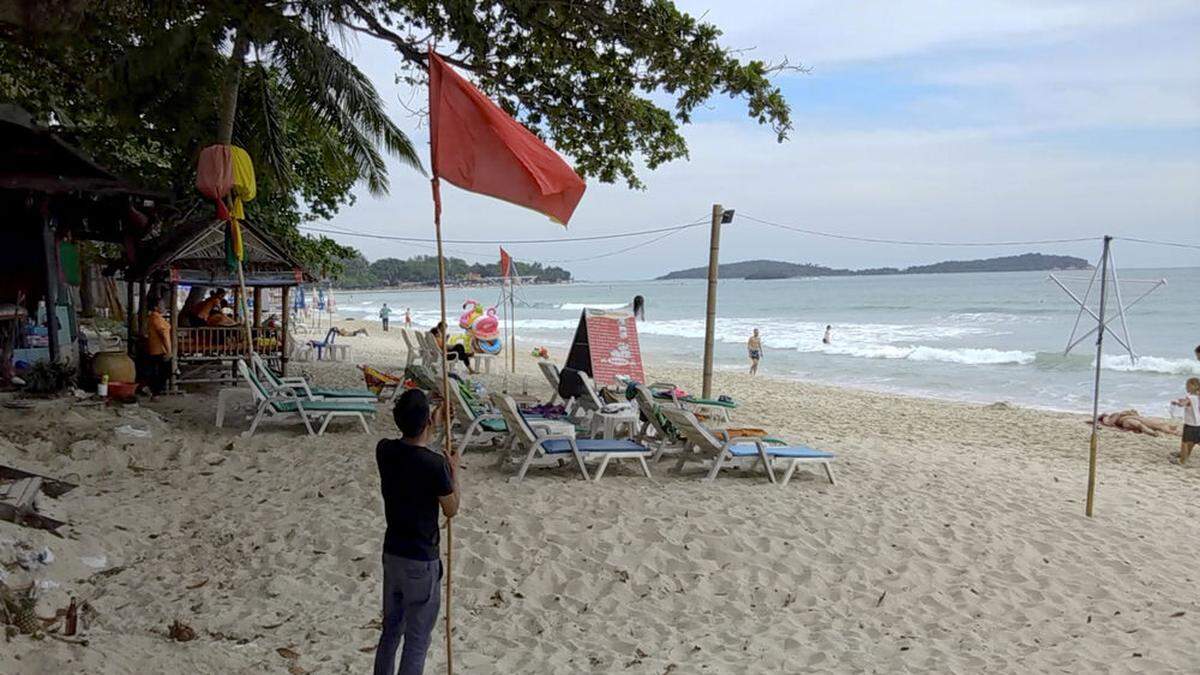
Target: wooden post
<point x="284" y="313"/>
<point x="141" y="313"/>
<point x="129" y="332"/>
<point x="504" y="317"/>
<point x="258" y="306"/>
<point x="1091" y="487"/>
<point x="512" y="319"/>
<point x="710" y="319"/>
<point x="51" y="289"/>
<point x="173" y="303"/>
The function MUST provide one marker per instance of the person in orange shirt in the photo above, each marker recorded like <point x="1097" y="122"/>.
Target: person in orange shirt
<point x="219" y="319"/>
<point x="158" y="348"/>
<point x="203" y="309"/>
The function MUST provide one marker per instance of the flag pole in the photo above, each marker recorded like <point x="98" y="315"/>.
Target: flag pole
<point x="447" y="445"/>
<point x="1091" y="486"/>
<point x="512" y="316"/>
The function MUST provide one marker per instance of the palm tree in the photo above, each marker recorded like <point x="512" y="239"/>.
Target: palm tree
<point x="279" y="76"/>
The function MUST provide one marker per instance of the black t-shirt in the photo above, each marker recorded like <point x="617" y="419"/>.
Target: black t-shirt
<point x="411" y="478"/>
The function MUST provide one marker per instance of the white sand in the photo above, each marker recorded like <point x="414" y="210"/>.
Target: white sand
<point x="953" y="541"/>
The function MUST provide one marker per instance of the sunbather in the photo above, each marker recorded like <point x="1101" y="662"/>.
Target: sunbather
<point x="1131" y="420"/>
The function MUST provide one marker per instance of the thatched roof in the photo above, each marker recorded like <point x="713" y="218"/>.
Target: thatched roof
<point x="194" y="253"/>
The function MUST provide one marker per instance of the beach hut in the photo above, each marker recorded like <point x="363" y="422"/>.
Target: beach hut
<point x="53" y="197"/>
<point x="192" y="256"/>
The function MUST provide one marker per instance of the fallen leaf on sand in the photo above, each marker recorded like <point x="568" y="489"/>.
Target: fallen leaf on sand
<point x="296" y="670"/>
<point x="198" y="584"/>
<point x="287" y="653"/>
<point x="181" y="632"/>
<point x="367" y="650"/>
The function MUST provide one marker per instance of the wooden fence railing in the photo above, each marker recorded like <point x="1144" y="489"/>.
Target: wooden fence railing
<point x="226" y="342"/>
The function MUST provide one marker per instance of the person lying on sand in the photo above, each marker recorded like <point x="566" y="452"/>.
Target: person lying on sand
<point x="348" y="333"/>
<point x="1131" y="420"/>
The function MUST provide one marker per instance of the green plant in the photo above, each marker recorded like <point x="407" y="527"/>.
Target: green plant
<point x="47" y="378"/>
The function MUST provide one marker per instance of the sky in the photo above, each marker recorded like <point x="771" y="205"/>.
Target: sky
<point x="991" y="120"/>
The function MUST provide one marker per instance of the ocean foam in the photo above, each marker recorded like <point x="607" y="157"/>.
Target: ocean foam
<point x="970" y="356"/>
<point x="577" y="306"/>
<point x="1150" y="364"/>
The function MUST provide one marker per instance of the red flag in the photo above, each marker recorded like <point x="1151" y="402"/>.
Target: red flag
<point x="478" y="147"/>
<point x="505" y="262"/>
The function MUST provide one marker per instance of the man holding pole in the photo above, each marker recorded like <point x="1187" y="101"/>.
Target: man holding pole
<point x="415" y="482"/>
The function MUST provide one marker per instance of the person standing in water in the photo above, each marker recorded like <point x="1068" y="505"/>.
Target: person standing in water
<point x="384" y="313"/>
<point x="754" y="347"/>
<point x="828" y="335"/>
<point x="407" y="318"/>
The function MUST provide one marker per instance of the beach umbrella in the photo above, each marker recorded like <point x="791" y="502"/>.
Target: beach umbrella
<point x="476" y="146"/>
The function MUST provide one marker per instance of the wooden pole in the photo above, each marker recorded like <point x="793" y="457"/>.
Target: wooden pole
<point x="129" y="333"/>
<point x="51" y="300"/>
<point x="512" y="319"/>
<point x="258" y="306"/>
<point x="1091" y="488"/>
<point x="173" y="303"/>
<point x="504" y="322"/>
<point x="284" y="314"/>
<point x="710" y="318"/>
<point x="447" y="446"/>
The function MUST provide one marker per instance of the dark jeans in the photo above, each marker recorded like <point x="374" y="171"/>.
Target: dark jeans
<point x="385" y="323"/>
<point x="412" y="596"/>
<point x="159" y="373"/>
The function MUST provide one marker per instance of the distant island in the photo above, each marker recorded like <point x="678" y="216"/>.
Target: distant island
<point x="776" y="269"/>
<point x="422" y="270"/>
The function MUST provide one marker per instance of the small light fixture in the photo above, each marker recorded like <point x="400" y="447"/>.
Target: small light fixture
<point x="727" y="217"/>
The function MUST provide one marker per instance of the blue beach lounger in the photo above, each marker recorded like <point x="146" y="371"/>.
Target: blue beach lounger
<point x="733" y="451"/>
<point x="547" y="445"/>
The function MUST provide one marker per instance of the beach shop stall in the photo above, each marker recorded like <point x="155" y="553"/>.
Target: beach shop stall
<point x="188" y="262"/>
<point x="52" y="198"/>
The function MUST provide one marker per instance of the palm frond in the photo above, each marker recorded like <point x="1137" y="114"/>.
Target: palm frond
<point x="340" y="92"/>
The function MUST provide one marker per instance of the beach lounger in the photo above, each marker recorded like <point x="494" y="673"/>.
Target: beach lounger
<point x="550" y="372"/>
<point x="431" y="352"/>
<point x="708" y="406"/>
<point x="550" y="443"/>
<point x="414" y="354"/>
<point x="389" y="385"/>
<point x="478" y="421"/>
<point x="301" y="386"/>
<point x="732" y="450"/>
<point x="656" y="432"/>
<point x="285" y="405"/>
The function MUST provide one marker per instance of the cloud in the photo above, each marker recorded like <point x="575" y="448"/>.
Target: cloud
<point x="1008" y="120"/>
<point x="827" y="34"/>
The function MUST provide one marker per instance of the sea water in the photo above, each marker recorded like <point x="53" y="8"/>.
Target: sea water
<point x="971" y="337"/>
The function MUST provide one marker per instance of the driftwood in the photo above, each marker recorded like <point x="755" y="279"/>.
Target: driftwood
<point x="17" y="498"/>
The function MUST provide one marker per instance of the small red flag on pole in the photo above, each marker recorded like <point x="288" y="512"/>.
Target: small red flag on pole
<point x="505" y="263"/>
<point x="475" y="145"/>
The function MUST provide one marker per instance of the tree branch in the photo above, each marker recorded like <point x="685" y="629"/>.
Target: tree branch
<point x="411" y="51"/>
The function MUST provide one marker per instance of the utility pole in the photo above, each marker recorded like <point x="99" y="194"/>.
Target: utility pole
<point x="710" y="320"/>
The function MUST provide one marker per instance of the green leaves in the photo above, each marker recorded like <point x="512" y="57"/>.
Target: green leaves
<point x="584" y="75"/>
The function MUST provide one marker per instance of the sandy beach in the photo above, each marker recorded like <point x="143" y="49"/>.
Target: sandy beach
<point x="953" y="541"/>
